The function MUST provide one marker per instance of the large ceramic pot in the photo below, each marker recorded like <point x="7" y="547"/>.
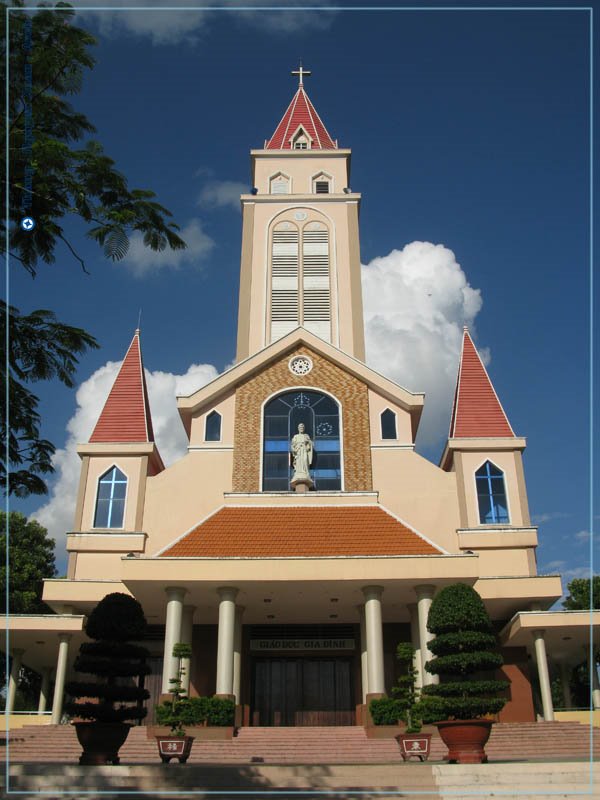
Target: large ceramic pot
<point x="465" y="739"/>
<point x="174" y="747"/>
<point x="101" y="741"/>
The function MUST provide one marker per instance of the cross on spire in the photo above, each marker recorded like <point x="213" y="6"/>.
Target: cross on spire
<point x="301" y="72"/>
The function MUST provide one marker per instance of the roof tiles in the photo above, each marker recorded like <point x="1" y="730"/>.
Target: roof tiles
<point x="477" y="410"/>
<point x="259" y="532"/>
<point x="301" y="113"/>
<point x="126" y="413"/>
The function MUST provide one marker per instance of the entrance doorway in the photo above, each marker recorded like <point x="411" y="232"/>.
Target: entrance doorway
<point x="302" y="691"/>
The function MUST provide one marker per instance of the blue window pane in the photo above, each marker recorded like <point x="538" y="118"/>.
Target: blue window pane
<point x="277" y="446"/>
<point x="101" y="518"/>
<point x="213" y="427"/>
<point x="491" y="495"/>
<point x="110" y="500"/>
<point x="329" y="445"/>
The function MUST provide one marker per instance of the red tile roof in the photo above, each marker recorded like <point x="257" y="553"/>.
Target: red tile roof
<point x="301" y="113"/>
<point x="126" y="413"/>
<point x="259" y="532"/>
<point x="477" y="410"/>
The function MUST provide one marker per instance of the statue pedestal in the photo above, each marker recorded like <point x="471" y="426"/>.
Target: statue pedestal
<point x="302" y="485"/>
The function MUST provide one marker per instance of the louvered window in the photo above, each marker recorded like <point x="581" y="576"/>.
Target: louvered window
<point x="280" y="185"/>
<point x="322" y="187"/>
<point x="284" y="281"/>
<point x="311" y="307"/>
<point x="315" y="282"/>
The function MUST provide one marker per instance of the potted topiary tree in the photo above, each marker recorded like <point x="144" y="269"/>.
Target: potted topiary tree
<point x="104" y="706"/>
<point x="412" y="742"/>
<point x="175" y="713"/>
<point x="465" y="650"/>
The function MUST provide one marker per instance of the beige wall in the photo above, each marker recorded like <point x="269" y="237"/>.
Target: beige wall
<point x="226" y="408"/>
<point x="184" y="494"/>
<point x="377" y="405"/>
<point x="421" y="494"/>
<point x="98" y="566"/>
<point x="301" y="167"/>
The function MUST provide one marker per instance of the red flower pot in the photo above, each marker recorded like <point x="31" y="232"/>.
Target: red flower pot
<point x="414" y="745"/>
<point x="465" y="739"/>
<point x="174" y="747"/>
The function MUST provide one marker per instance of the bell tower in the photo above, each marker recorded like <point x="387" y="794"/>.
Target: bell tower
<point x="300" y="264"/>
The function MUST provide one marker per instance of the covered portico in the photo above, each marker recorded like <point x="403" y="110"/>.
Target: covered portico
<point x="44" y="643"/>
<point x="559" y="639"/>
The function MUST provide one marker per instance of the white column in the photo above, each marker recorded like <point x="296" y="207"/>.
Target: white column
<point x="565" y="674"/>
<point x="364" y="656"/>
<point x="13" y="680"/>
<point x="227" y="595"/>
<point x="424" y="598"/>
<point x="187" y="632"/>
<point x="237" y="653"/>
<point x="374" y="631"/>
<point x="44" y="690"/>
<point x="175" y="596"/>
<point x="543" y="674"/>
<point x="61" y="674"/>
<point x="416" y="643"/>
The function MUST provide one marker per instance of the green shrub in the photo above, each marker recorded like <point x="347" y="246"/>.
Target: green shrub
<point x="464" y="647"/>
<point x="215" y="711"/>
<point x="115" y="619"/>
<point x="385" y="711"/>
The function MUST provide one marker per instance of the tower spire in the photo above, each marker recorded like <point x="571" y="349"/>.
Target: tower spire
<point x="477" y="411"/>
<point x="126" y="413"/>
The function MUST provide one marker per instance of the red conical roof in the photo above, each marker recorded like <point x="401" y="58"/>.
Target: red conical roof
<point x="477" y="410"/>
<point x="301" y="114"/>
<point x="126" y="413"/>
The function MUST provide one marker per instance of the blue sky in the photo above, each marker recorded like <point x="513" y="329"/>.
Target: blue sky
<point x="469" y="129"/>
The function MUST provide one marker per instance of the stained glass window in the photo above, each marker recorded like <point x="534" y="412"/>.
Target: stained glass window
<point x="321" y="418"/>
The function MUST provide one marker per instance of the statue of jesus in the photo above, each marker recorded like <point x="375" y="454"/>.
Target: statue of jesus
<point x="302" y="452"/>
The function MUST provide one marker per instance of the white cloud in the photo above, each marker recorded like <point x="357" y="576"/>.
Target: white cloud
<point x="217" y="194"/>
<point x="142" y="261"/>
<point x="57" y="514"/>
<point x="416" y="302"/>
<point x="582" y="536"/>
<point x="187" y="25"/>
<point x="549" y="516"/>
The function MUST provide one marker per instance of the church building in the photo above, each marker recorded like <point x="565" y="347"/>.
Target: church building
<point x="302" y="537"/>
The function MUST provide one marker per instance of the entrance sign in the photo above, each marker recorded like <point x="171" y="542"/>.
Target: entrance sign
<point x="294" y="645"/>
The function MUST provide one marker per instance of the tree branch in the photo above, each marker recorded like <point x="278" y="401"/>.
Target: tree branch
<point x="81" y="261"/>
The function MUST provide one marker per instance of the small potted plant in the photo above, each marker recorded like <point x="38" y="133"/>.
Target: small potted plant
<point x="102" y="708"/>
<point x="412" y="742"/>
<point x="175" y="713"/>
<point x="464" y="647"/>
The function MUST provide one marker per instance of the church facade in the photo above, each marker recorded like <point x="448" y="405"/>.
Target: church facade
<point x="301" y="537"/>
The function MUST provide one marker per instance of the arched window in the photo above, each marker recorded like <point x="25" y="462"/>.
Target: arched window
<point x="491" y="494"/>
<point x="212" y="430"/>
<point x="110" y="502"/>
<point x="321" y="418"/>
<point x="388" y="425"/>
